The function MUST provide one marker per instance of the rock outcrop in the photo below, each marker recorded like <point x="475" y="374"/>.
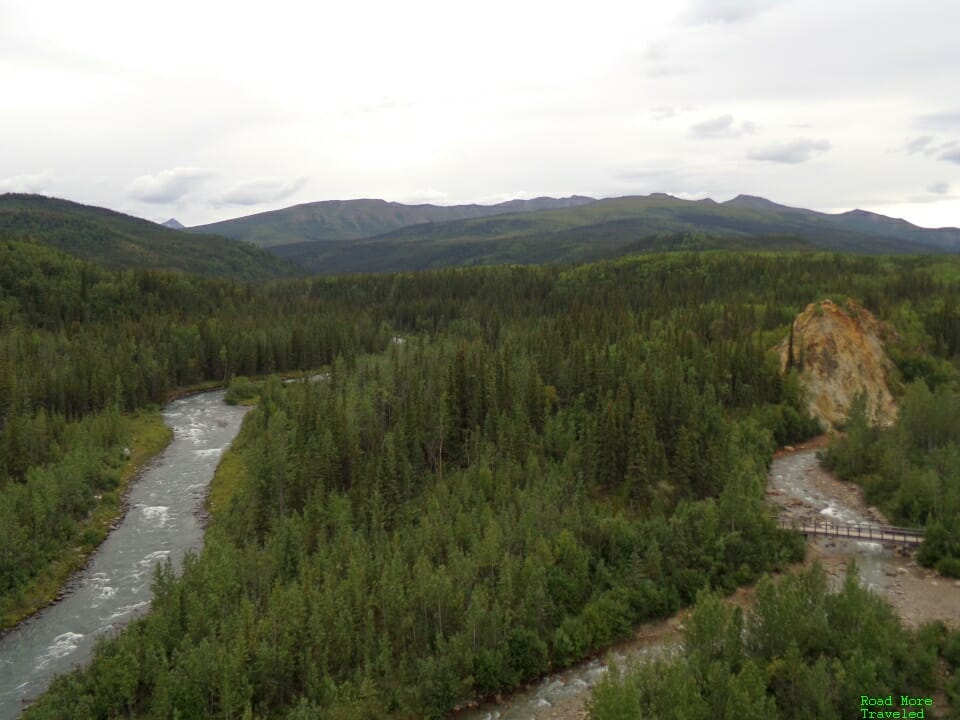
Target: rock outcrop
<point x="839" y="352"/>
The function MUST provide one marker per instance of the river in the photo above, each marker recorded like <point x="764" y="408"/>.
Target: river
<point x="802" y="489"/>
<point x="162" y="522"/>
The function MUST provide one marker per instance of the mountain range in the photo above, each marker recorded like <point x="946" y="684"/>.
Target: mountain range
<point x="374" y="235"/>
<point x="341" y="236"/>
<point x="354" y="219"/>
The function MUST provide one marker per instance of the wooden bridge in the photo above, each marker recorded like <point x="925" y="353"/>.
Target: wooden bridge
<point x="870" y="533"/>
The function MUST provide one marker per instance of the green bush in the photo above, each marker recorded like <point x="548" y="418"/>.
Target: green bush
<point x="949" y="567"/>
<point x="241" y="389"/>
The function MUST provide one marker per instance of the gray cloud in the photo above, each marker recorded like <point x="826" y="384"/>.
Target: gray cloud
<point x="725" y="11"/>
<point x="721" y="127"/>
<point x="926" y="145"/>
<point x="798" y="151"/>
<point x="920" y="144"/>
<point x="257" y="192"/>
<point x="940" y="121"/>
<point x="951" y="156"/>
<point x="35" y="183"/>
<point x="939" y="188"/>
<point x="168" y="185"/>
<point x="656" y="62"/>
<point x="665" y="112"/>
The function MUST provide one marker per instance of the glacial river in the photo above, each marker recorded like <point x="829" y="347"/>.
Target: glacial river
<point x="162" y="523"/>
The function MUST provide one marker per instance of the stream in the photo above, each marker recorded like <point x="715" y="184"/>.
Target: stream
<point x="162" y="522"/>
<point x="795" y="483"/>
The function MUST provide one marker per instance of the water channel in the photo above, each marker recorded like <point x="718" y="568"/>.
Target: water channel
<point x="162" y="522"/>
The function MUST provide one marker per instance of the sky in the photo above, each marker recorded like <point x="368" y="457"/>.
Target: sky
<point x="209" y="110"/>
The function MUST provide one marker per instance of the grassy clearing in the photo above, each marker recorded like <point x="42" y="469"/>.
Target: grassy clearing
<point x="147" y="436"/>
<point x="226" y="480"/>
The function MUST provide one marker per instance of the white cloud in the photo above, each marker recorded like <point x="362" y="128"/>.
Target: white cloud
<point x="261" y="191"/>
<point x="791" y="153"/>
<point x="40" y="182"/>
<point x="169" y="186"/>
<point x="939" y="188"/>
<point x="428" y="196"/>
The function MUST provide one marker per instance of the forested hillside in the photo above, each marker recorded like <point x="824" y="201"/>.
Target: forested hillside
<point x="550" y="456"/>
<point x="115" y="240"/>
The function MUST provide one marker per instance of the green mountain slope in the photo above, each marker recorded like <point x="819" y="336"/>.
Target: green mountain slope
<point x="659" y="213"/>
<point x="115" y="240"/>
<point x="616" y="226"/>
<point x="584" y="244"/>
<point x="336" y="220"/>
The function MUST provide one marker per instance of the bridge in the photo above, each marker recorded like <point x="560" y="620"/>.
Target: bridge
<point x="870" y="533"/>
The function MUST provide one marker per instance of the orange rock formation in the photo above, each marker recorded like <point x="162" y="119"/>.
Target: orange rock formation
<point x="840" y="353"/>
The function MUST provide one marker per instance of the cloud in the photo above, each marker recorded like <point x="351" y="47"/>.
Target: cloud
<point x="428" y="195"/>
<point x="665" y="112"/>
<point x="939" y="121"/>
<point x="656" y="62"/>
<point x="701" y="12"/>
<point x="791" y="153"/>
<point x="720" y="127"/>
<point x="258" y="192"/>
<point x="35" y="183"/>
<point x="920" y="144"/>
<point x="168" y="186"/>
<point x="925" y="144"/>
<point x="939" y="188"/>
<point x="951" y="156"/>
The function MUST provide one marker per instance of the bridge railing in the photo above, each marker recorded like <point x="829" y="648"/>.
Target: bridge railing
<point x="878" y="533"/>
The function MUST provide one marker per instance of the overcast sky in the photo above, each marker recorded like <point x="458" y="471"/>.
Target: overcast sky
<point x="207" y="110"/>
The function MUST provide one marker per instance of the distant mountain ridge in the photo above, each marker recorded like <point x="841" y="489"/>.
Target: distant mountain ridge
<point x="337" y="220"/>
<point x="173" y="224"/>
<point x="115" y="240"/>
<point x="542" y="230"/>
<point x="612" y="226"/>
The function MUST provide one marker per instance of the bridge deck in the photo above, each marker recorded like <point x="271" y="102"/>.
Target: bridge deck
<point x="871" y="533"/>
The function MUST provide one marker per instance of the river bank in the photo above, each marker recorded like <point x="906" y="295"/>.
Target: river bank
<point x="147" y="438"/>
<point x="162" y="523"/>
